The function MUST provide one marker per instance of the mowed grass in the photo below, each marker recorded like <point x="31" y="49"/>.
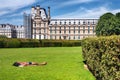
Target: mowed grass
<point x="64" y="63"/>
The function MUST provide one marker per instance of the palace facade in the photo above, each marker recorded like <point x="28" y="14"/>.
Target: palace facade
<point x="39" y="25"/>
<point x="12" y="31"/>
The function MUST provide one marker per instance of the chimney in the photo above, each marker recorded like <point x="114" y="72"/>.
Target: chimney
<point x="49" y="13"/>
<point x="38" y="13"/>
<point x="33" y="10"/>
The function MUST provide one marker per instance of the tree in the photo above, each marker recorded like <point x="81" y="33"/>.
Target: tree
<point x="108" y="24"/>
<point x="117" y="29"/>
<point x="118" y="15"/>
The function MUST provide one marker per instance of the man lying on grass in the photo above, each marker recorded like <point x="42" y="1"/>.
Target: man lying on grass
<point x="22" y="64"/>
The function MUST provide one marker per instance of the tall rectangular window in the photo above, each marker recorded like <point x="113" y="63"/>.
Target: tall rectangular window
<point x="84" y="23"/>
<point x="83" y="30"/>
<point x="78" y="37"/>
<point x="50" y="36"/>
<point x="74" y="23"/>
<point x="64" y="23"/>
<point x="55" y="37"/>
<point x="74" y="37"/>
<point x="74" y="29"/>
<point x="69" y="37"/>
<point x="60" y="23"/>
<point x="78" y="29"/>
<point x="64" y="29"/>
<point x="55" y="22"/>
<point x="55" y="29"/>
<point x="69" y="23"/>
<point x="88" y="29"/>
<point x="60" y="29"/>
<point x="93" y="29"/>
<point x="60" y="37"/>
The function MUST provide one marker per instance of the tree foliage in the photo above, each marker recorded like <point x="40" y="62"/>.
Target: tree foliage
<point x="108" y="24"/>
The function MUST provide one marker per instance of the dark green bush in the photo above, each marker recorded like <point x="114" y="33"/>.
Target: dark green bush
<point x="29" y="43"/>
<point x="1" y="43"/>
<point x="11" y="43"/>
<point x="102" y="55"/>
<point x="60" y="43"/>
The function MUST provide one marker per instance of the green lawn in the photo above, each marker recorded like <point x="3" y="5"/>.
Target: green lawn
<point x="64" y="63"/>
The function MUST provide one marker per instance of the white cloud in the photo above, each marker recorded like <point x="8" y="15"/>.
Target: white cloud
<point x="15" y="4"/>
<point x="3" y="12"/>
<point x="86" y="13"/>
<point x="28" y="11"/>
<point x="73" y="2"/>
<point x="7" y="6"/>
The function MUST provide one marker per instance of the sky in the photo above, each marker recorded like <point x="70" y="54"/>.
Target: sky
<point x="11" y="11"/>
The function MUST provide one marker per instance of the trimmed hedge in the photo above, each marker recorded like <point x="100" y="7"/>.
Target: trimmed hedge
<point x="29" y="43"/>
<point x="11" y="43"/>
<point x="15" y="43"/>
<point x="60" y="43"/>
<point x="1" y="43"/>
<point x="102" y="56"/>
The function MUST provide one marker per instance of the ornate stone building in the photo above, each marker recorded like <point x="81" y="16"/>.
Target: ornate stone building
<point x="12" y="31"/>
<point x="39" y="25"/>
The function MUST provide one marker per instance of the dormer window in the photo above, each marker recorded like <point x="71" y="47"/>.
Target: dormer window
<point x="74" y="23"/>
<point x="55" y="22"/>
<point x="88" y="22"/>
<point x="60" y="23"/>
<point x="83" y="23"/>
<point x="65" y="23"/>
<point x="69" y="23"/>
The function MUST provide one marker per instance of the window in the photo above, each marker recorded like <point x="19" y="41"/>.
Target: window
<point x="60" y="29"/>
<point x="74" y="37"/>
<point x="88" y="23"/>
<point x="83" y="30"/>
<point x="60" y="37"/>
<point x="50" y="31"/>
<point x="74" y="29"/>
<point x="55" y="22"/>
<point x="83" y="23"/>
<point x="69" y="37"/>
<point x="78" y="37"/>
<point x="65" y="23"/>
<point x="83" y="27"/>
<point x="44" y="31"/>
<point x="93" y="28"/>
<point x="44" y="37"/>
<point x="60" y="23"/>
<point x="55" y="37"/>
<point x="55" y="29"/>
<point x="88" y="29"/>
<point x="50" y="36"/>
<point x="69" y="31"/>
<point x="69" y="23"/>
<point x="74" y="23"/>
<point x="78" y="29"/>
<point x="64" y="29"/>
